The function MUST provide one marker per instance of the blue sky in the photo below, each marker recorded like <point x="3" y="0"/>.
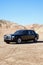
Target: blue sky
<point x="23" y="12"/>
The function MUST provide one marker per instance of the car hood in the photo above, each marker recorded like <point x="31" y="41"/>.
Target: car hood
<point x="11" y="34"/>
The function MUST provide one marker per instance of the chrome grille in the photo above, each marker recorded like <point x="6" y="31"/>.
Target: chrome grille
<point x="7" y="37"/>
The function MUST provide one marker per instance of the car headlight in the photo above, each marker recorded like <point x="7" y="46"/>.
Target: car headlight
<point x="4" y="36"/>
<point x="13" y="36"/>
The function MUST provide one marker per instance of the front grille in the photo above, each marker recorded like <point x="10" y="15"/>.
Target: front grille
<point x="7" y="38"/>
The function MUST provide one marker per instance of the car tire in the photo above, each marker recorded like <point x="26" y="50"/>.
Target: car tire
<point x="35" y="40"/>
<point x="7" y="42"/>
<point x="19" y="40"/>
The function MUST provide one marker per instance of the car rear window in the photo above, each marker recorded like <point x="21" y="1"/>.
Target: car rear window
<point x="31" y="32"/>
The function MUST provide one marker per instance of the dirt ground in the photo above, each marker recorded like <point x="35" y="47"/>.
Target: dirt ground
<point x="21" y="54"/>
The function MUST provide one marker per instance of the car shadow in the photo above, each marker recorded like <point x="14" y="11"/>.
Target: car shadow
<point x="39" y="41"/>
<point x="29" y="42"/>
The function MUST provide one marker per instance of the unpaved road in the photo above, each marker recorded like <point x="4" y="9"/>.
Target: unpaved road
<point x="21" y="54"/>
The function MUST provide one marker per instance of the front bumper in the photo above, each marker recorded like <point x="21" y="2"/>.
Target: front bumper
<point x="9" y="38"/>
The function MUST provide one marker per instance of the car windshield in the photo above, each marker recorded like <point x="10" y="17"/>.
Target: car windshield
<point x="18" y="32"/>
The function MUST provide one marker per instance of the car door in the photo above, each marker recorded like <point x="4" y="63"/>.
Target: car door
<point x="30" y="35"/>
<point x="25" y="35"/>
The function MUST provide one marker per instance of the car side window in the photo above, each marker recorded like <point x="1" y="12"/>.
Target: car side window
<point x="25" y="32"/>
<point x="29" y="32"/>
<point x="32" y="32"/>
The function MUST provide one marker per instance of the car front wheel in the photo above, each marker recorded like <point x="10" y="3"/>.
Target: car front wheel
<point x="7" y="42"/>
<point x="19" y="40"/>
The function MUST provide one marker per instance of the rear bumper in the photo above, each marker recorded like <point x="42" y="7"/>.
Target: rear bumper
<point x="37" y="37"/>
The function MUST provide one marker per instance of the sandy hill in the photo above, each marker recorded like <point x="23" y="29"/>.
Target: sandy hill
<point x="37" y="27"/>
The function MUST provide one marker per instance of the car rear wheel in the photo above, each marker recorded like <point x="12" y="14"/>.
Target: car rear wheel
<point x="19" y="40"/>
<point x="35" y="40"/>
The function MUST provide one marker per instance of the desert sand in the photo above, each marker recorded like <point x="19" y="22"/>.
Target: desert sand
<point x="20" y="54"/>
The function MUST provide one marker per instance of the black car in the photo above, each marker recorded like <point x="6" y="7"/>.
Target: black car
<point x="21" y="35"/>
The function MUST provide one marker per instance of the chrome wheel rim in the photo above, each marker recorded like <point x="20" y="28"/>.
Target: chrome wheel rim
<point x="35" y="39"/>
<point x="19" y="40"/>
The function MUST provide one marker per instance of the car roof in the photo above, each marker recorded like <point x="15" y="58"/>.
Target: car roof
<point x="25" y="30"/>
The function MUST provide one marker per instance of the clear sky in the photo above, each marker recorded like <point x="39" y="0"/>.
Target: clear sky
<point x="22" y="11"/>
